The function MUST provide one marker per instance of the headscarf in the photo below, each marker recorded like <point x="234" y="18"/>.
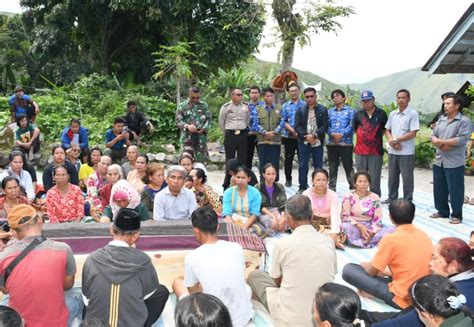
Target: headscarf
<point x="122" y="186"/>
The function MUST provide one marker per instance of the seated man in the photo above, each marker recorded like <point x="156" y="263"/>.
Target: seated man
<point x="132" y="155"/>
<point x="136" y="122"/>
<point x="27" y="136"/>
<point x="301" y="263"/>
<point x="75" y="135"/>
<point x="402" y="258"/>
<point x="20" y="103"/>
<point x="120" y="282"/>
<point x="174" y="201"/>
<point x="37" y="283"/>
<point x="117" y="140"/>
<point x="217" y="267"/>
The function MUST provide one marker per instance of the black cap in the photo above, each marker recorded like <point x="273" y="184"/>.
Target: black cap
<point x="127" y="220"/>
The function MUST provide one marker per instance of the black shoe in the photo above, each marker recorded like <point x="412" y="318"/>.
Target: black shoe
<point x="386" y="201"/>
<point x="300" y="190"/>
<point x="288" y="184"/>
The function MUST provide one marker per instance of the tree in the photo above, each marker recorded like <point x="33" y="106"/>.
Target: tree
<point x="298" y="24"/>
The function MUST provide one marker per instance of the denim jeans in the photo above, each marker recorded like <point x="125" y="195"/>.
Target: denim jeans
<point x="448" y="183"/>
<point x="305" y="150"/>
<point x="374" y="285"/>
<point x="269" y="153"/>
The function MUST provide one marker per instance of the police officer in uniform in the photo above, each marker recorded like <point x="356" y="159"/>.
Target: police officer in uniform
<point x="234" y="119"/>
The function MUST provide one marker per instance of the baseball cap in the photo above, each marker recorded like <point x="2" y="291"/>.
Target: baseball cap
<point x="18" y="88"/>
<point x="20" y="215"/>
<point x="366" y="95"/>
<point x="127" y="220"/>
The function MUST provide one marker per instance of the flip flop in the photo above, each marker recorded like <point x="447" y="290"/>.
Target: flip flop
<point x="471" y="201"/>
<point x="455" y="221"/>
<point x="466" y="200"/>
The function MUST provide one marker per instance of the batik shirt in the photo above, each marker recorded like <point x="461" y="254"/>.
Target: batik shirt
<point x="288" y="114"/>
<point x="340" y="122"/>
<point x="253" y="115"/>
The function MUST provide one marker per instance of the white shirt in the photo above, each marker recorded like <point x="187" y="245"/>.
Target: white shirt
<point x="399" y="123"/>
<point x="167" y="206"/>
<point x="220" y="268"/>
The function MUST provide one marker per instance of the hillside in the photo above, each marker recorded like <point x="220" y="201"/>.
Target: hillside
<point x="425" y="90"/>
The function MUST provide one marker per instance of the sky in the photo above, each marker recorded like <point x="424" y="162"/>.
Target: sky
<point x="381" y="38"/>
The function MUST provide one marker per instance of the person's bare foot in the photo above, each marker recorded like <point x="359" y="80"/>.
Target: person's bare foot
<point x="365" y="294"/>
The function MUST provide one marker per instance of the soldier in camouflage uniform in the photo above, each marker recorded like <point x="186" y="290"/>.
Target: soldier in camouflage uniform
<point x="193" y="118"/>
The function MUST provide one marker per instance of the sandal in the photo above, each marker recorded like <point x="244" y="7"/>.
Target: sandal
<point x="455" y="221"/>
<point x="436" y="215"/>
<point x="471" y="201"/>
<point x="466" y="199"/>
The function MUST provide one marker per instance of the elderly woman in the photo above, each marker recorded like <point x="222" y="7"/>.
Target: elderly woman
<point x="64" y="201"/>
<point x="155" y="182"/>
<point x="12" y="196"/>
<point x="205" y="195"/>
<point x="123" y="195"/>
<point x="135" y="177"/>
<point x="17" y="159"/>
<point x="362" y="214"/>
<point x="96" y="181"/>
<point x="114" y="174"/>
<point x="59" y="159"/>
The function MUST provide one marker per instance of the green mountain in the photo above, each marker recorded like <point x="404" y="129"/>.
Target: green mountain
<point x="425" y="90"/>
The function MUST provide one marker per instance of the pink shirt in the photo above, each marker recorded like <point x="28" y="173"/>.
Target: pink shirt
<point x="326" y="207"/>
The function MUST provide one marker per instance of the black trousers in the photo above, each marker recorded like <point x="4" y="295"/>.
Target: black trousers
<point x="155" y="304"/>
<point x="251" y="145"/>
<point x="336" y="154"/>
<point x="291" y="147"/>
<point x="236" y="143"/>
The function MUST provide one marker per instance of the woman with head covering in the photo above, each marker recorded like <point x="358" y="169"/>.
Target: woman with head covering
<point x="114" y="174"/>
<point x="124" y="195"/>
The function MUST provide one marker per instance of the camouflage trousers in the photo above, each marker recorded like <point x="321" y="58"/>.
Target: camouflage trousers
<point x="197" y="143"/>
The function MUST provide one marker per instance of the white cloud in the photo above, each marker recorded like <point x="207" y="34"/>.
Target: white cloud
<point x="383" y="37"/>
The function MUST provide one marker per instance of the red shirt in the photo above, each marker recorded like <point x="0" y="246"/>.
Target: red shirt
<point x="370" y="131"/>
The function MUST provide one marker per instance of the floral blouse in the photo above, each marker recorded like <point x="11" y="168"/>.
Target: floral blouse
<point x="210" y="197"/>
<point x="94" y="184"/>
<point x="65" y="208"/>
<point x="362" y="209"/>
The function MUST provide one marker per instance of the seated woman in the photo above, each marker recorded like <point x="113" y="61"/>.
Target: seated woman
<point x="27" y="136"/>
<point x="65" y="202"/>
<point x="439" y="303"/>
<point x="73" y="154"/>
<point x="59" y="159"/>
<point x="11" y="196"/>
<point x="205" y="195"/>
<point x="17" y="159"/>
<point x="114" y="174"/>
<point x="96" y="181"/>
<point x="326" y="209"/>
<point x="135" y="177"/>
<point x="231" y="168"/>
<point x="123" y="195"/>
<point x="188" y="161"/>
<point x="362" y="214"/>
<point x="242" y="203"/>
<point x="452" y="258"/>
<point x="273" y="201"/>
<point x="337" y="305"/>
<point x="89" y="167"/>
<point x="155" y="182"/>
<point x="190" y="311"/>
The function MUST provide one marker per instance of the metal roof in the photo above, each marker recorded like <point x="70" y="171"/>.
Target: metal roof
<point x="456" y="53"/>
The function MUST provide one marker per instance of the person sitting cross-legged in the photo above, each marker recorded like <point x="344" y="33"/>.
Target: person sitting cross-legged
<point x="120" y="282"/>
<point x="217" y="267"/>
<point x="301" y="263"/>
<point x="402" y="258"/>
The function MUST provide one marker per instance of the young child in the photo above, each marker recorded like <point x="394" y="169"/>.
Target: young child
<point x="188" y="182"/>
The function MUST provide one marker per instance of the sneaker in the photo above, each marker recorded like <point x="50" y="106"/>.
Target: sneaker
<point x="386" y="201"/>
<point x="288" y="184"/>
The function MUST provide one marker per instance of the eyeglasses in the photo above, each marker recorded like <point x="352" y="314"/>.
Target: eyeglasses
<point x="238" y="94"/>
<point x="76" y="150"/>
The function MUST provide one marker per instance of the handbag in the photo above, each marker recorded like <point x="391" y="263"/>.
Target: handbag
<point x="37" y="241"/>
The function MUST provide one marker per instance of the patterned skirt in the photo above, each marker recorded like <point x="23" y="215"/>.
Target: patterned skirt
<point x="323" y="225"/>
<point x="355" y="239"/>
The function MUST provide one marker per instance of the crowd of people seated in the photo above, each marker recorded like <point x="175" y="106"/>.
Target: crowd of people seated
<point x="120" y="186"/>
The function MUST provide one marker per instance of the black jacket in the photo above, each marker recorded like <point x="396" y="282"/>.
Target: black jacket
<point x="301" y="122"/>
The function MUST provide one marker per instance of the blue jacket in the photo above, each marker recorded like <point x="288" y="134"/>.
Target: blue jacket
<point x="66" y="138"/>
